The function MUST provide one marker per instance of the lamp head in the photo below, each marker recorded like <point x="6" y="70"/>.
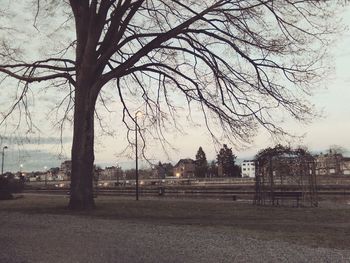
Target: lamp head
<point x="138" y="114"/>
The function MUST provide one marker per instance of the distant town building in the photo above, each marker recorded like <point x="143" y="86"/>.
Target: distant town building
<point x="111" y="173"/>
<point x="332" y="164"/>
<point x="162" y="170"/>
<point x="185" y="168"/>
<point x="248" y="169"/>
<point x="345" y="166"/>
<point x="65" y="170"/>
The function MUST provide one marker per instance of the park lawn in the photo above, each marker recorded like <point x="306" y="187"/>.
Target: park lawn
<point x="325" y="226"/>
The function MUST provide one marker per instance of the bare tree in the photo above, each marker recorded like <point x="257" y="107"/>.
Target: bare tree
<point x="238" y="61"/>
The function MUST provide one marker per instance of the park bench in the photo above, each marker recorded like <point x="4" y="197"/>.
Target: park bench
<point x="295" y="195"/>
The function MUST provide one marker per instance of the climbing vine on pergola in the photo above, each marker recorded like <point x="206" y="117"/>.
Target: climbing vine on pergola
<point x="285" y="175"/>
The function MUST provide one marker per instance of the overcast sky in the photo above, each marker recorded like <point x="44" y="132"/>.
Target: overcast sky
<point x="332" y="99"/>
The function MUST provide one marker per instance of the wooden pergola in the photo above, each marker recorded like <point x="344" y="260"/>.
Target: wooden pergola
<point x="285" y="176"/>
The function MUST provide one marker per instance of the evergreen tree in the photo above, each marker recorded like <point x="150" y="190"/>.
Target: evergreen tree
<point x="201" y="164"/>
<point x="213" y="169"/>
<point x="226" y="161"/>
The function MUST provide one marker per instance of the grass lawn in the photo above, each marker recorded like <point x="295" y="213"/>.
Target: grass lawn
<point x="326" y="226"/>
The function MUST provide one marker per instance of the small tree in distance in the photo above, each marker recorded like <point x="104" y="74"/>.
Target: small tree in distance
<point x="201" y="163"/>
<point x="226" y="162"/>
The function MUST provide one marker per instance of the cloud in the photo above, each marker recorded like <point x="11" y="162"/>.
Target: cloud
<point x="31" y="160"/>
<point x="30" y="140"/>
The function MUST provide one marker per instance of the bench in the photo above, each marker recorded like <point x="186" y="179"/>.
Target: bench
<point x="295" y="195"/>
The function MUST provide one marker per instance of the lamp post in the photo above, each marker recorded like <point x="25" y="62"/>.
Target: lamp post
<point x="21" y="173"/>
<point x="45" y="169"/>
<point x="3" y="157"/>
<point x="137" y="114"/>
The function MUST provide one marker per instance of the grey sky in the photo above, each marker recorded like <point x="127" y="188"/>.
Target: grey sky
<point x="332" y="98"/>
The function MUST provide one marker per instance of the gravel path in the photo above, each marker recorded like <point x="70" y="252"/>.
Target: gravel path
<point x="61" y="238"/>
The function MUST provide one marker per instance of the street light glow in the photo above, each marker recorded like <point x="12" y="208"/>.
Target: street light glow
<point x="138" y="114"/>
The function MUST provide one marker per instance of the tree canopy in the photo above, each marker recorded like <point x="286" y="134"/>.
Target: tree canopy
<point x="236" y="60"/>
<point x="239" y="63"/>
<point x="226" y="162"/>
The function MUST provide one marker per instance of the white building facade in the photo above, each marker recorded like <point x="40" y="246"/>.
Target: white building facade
<point x="248" y="169"/>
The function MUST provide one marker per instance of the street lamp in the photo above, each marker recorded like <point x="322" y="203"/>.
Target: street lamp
<point x="3" y="156"/>
<point x="137" y="114"/>
<point x="45" y="168"/>
<point x="21" y="173"/>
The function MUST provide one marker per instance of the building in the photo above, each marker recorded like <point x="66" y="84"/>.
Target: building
<point x="345" y="166"/>
<point x="112" y="173"/>
<point x="332" y="164"/>
<point x="248" y="169"/>
<point x="185" y="168"/>
<point x="162" y="170"/>
<point x="65" y="170"/>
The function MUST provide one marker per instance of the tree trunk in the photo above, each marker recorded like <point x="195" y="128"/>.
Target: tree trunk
<point x="81" y="190"/>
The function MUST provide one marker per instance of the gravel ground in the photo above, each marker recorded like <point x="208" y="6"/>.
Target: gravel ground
<point x="62" y="238"/>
